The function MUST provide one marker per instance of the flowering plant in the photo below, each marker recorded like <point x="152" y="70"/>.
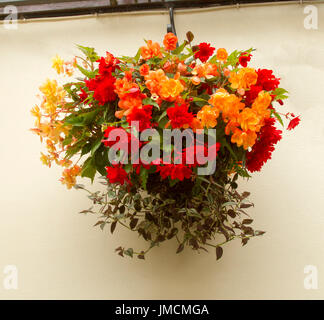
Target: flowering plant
<point x="114" y="120"/>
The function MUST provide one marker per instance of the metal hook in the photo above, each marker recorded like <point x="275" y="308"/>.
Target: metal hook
<point x="171" y="26"/>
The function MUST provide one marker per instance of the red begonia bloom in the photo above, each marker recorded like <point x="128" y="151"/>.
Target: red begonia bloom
<point x="116" y="174"/>
<point x="103" y="88"/>
<point x="174" y="171"/>
<point x="179" y="116"/>
<point x="244" y="59"/>
<point x="293" y="123"/>
<point x="263" y="148"/>
<point x="267" y="80"/>
<point x="204" y="52"/>
<point x="142" y="115"/>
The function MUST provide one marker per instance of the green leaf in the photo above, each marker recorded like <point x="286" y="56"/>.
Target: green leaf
<point x="151" y="102"/>
<point x="88" y="169"/>
<point x="95" y="145"/>
<point x="164" y="113"/>
<point x="89" y="74"/>
<point x="138" y="55"/>
<point x="277" y="116"/>
<point x="180" y="48"/>
<point x="89" y="53"/>
<point x="144" y="176"/>
<point x="82" y="119"/>
<point x="129" y="252"/>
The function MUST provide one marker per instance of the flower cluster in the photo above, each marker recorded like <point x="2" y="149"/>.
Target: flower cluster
<point x="163" y="87"/>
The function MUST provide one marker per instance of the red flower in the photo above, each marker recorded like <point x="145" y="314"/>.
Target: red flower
<point x="179" y="116"/>
<point x="250" y="95"/>
<point x="103" y="88"/>
<point x="293" y="123"/>
<point x="198" y="151"/>
<point x="267" y="80"/>
<point x="244" y="59"/>
<point x="174" y="171"/>
<point x="107" y="64"/>
<point x="204" y="52"/>
<point x="116" y="174"/>
<point x="263" y="148"/>
<point x="142" y="115"/>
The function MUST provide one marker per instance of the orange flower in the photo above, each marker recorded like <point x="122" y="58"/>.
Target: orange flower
<point x="152" y="49"/>
<point x="261" y="104"/>
<point x="196" y="124"/>
<point x="231" y="127"/>
<point x="170" y="89"/>
<point x="218" y="99"/>
<point x="129" y="94"/>
<point x="207" y="116"/>
<point x="249" y="120"/>
<point x="206" y="70"/>
<point x="144" y="69"/>
<point x="232" y="108"/>
<point x="243" y="79"/>
<point x="170" y="41"/>
<point x="244" y="138"/>
<point x="69" y="176"/>
<point x="221" y="54"/>
<point x="154" y="80"/>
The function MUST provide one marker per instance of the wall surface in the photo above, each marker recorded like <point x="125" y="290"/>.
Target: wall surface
<point x="57" y="251"/>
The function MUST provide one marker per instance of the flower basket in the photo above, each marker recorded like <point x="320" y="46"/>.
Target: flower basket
<point x="168" y="132"/>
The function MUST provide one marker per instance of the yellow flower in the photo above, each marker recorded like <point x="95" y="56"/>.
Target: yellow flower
<point x="53" y="96"/>
<point x="45" y="159"/>
<point x="36" y="113"/>
<point x="207" y="116"/>
<point x="58" y="64"/>
<point x="69" y="176"/>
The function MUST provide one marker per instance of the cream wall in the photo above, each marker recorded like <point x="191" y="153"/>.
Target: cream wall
<point x="57" y="251"/>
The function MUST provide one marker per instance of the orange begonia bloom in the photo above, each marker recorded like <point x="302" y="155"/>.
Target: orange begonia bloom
<point x="206" y="70"/>
<point x="69" y="176"/>
<point x="152" y="49"/>
<point x="144" y="69"/>
<point x="196" y="124"/>
<point x="221" y="54"/>
<point x="170" y="41"/>
<point x="249" y="120"/>
<point x="229" y="104"/>
<point x="244" y="138"/>
<point x="218" y="99"/>
<point x="243" y="79"/>
<point x="208" y="115"/>
<point x="129" y="95"/>
<point x="261" y="104"/>
<point x="154" y="80"/>
<point x="170" y="89"/>
<point x="231" y="127"/>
